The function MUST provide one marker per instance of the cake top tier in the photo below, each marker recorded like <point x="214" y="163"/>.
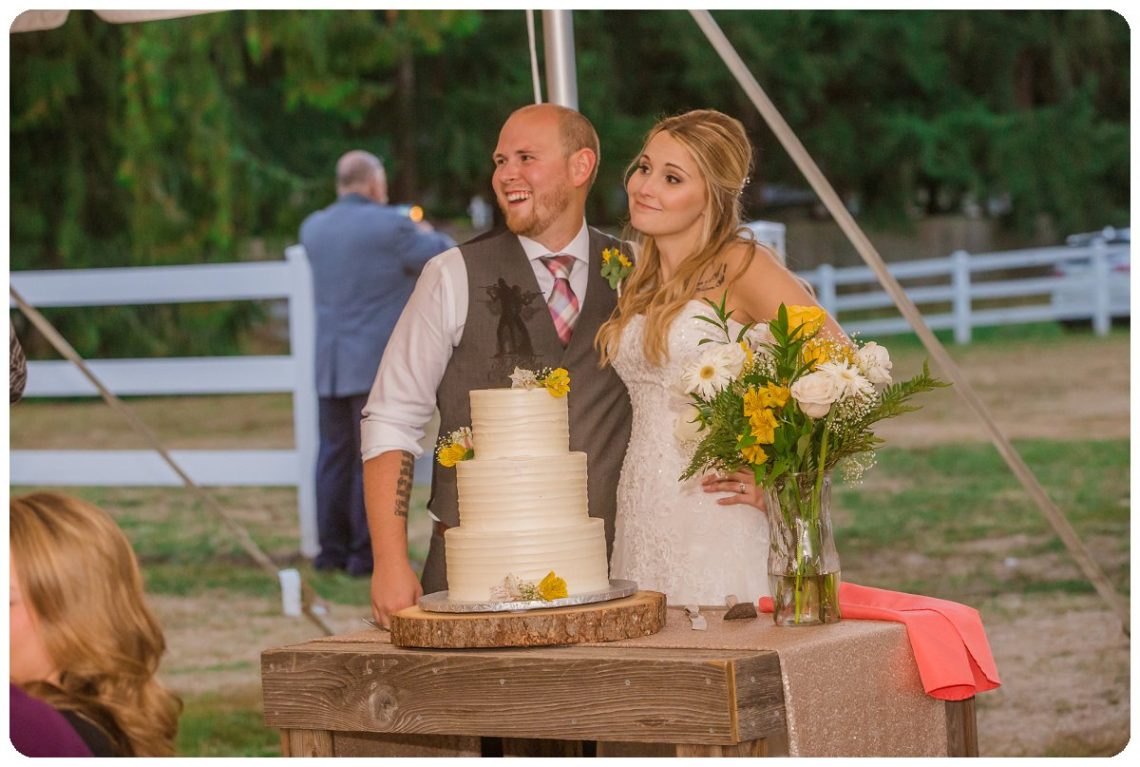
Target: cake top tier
<point x="518" y="422"/>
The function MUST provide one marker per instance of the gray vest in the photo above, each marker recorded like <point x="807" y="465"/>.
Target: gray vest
<point x="508" y="325"/>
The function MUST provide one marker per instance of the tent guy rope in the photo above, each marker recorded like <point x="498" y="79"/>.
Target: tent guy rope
<point x="41" y="323"/>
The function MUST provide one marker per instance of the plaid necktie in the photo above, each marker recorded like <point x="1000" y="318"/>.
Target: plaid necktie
<point x="563" y="303"/>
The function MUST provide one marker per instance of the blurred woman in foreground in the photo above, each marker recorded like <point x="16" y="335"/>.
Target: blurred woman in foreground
<point x="81" y="637"/>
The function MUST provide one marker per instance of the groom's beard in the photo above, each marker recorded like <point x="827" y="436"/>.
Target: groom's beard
<point x="546" y="208"/>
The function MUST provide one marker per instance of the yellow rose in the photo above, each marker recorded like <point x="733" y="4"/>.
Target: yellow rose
<point x="552" y="587"/>
<point x="557" y="382"/>
<point x="754" y="454"/>
<point x="807" y="319"/>
<point x="763" y="424"/>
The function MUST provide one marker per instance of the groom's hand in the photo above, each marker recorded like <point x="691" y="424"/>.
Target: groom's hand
<point x="394" y="587"/>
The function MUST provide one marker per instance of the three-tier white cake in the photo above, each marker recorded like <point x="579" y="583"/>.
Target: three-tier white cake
<point x="523" y="508"/>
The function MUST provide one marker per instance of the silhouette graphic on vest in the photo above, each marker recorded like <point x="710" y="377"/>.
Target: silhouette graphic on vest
<point x="514" y="307"/>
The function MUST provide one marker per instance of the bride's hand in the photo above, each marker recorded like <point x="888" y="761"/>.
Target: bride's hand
<point x="742" y="485"/>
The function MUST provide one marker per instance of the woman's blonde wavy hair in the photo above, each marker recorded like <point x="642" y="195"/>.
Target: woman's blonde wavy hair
<point x="82" y="582"/>
<point x="720" y="148"/>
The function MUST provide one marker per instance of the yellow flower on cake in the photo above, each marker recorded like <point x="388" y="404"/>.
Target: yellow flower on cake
<point x="457" y="446"/>
<point x="557" y="382"/>
<point x="552" y="587"/>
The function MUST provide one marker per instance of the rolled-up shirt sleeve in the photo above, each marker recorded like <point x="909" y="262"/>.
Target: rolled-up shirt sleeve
<point x="402" y="400"/>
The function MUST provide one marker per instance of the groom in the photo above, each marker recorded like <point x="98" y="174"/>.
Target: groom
<point x="477" y="312"/>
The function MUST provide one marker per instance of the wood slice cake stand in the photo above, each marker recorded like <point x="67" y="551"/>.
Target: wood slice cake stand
<point x="638" y="615"/>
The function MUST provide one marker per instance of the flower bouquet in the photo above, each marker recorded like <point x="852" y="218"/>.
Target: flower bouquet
<point x="790" y="404"/>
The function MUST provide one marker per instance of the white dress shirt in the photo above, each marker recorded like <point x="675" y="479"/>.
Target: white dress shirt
<point x="402" y="400"/>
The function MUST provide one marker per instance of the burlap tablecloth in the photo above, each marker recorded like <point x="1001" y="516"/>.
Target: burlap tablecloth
<point x="850" y="688"/>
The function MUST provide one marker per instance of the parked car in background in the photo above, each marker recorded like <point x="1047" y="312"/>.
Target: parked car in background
<point x="1075" y="294"/>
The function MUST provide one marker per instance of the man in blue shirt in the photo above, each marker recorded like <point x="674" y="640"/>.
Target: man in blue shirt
<point x="365" y="256"/>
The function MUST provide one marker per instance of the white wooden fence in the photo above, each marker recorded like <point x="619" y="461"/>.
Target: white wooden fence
<point x="964" y="291"/>
<point x="289" y="279"/>
<point x="958" y="283"/>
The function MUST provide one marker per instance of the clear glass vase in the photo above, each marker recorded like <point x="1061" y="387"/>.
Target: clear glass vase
<point x="803" y="565"/>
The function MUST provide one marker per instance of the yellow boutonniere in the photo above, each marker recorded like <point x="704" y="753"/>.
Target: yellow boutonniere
<point x="615" y="266"/>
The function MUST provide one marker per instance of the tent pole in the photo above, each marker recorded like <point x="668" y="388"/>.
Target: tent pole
<point x="561" y="78"/>
<point x="819" y="183"/>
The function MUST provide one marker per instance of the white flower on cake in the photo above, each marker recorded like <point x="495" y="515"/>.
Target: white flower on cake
<point x="457" y="446"/>
<point x="514" y="589"/>
<point x="523" y="379"/>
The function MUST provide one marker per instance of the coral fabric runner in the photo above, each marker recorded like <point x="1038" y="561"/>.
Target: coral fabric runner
<point x="948" y="640"/>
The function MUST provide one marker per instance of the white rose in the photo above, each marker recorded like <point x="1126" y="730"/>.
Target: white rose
<point x="759" y="334"/>
<point x="732" y="357"/>
<point x="688" y="427"/>
<point x="814" y="393"/>
<point x="875" y="363"/>
<point x="847" y="379"/>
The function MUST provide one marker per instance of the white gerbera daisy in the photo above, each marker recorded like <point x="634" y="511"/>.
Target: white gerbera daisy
<point x="848" y="380"/>
<point x="708" y="373"/>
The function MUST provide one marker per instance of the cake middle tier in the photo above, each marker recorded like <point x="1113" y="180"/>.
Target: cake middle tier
<point x="479" y="561"/>
<point x="532" y="493"/>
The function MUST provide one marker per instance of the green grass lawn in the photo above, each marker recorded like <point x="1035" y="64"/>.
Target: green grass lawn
<point x="949" y="521"/>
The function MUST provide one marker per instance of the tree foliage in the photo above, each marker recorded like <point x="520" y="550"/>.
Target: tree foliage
<point x="185" y="140"/>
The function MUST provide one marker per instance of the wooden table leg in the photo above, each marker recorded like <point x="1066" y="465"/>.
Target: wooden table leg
<point x="961" y="728"/>
<point x="323" y="743"/>
<point x="306" y="743"/>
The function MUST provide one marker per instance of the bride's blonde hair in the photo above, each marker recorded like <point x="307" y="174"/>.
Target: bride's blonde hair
<point x="720" y="148"/>
<point x="82" y="582"/>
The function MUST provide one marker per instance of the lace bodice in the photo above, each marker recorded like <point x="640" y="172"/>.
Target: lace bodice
<point x="671" y="536"/>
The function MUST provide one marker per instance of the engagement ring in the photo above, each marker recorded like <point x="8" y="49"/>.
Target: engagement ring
<point x="742" y="488"/>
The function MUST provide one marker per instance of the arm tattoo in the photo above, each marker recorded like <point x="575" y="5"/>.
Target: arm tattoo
<point x="404" y="484"/>
<point x="713" y="281"/>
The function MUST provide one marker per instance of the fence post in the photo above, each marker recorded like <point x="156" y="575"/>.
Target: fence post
<point x="960" y="281"/>
<point x="1101" y="315"/>
<point x="827" y="300"/>
<point x="302" y="346"/>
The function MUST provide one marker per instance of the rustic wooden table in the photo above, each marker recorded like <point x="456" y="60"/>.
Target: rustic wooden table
<point x="358" y="695"/>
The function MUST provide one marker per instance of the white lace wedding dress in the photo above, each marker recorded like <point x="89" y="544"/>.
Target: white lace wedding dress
<point x="671" y="536"/>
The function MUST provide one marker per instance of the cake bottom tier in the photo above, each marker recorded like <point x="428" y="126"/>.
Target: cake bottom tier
<point x="478" y="561"/>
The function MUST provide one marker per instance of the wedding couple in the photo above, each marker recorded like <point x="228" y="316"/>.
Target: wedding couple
<point x="696" y="541"/>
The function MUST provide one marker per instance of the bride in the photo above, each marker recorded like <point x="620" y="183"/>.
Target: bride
<point x="700" y="540"/>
